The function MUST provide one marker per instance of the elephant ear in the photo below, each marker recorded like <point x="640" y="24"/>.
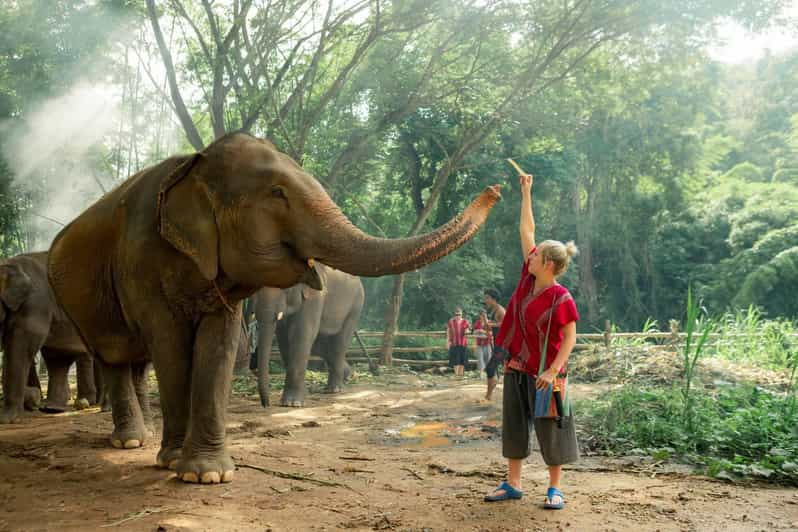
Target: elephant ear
<point x="186" y="218"/>
<point x="309" y="292"/>
<point x="15" y="286"/>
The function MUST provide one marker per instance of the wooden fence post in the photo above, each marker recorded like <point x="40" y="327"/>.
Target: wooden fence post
<point x="674" y="325"/>
<point x="607" y="333"/>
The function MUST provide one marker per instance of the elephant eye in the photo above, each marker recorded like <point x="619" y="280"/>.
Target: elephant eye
<point x="277" y="192"/>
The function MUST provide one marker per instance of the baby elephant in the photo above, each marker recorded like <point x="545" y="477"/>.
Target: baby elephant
<point x="30" y="320"/>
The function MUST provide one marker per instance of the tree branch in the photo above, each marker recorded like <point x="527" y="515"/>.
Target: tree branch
<point x="180" y="107"/>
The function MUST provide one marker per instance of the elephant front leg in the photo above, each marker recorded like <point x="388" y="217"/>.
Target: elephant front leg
<point x="205" y="458"/>
<point x="141" y="375"/>
<point x="295" y="350"/>
<point x="129" y="430"/>
<point x="170" y="344"/>
<point x="17" y="359"/>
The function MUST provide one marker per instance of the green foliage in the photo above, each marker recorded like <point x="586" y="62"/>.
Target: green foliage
<point x="745" y="171"/>
<point x="735" y="428"/>
<point x="666" y="168"/>
<point x="746" y="336"/>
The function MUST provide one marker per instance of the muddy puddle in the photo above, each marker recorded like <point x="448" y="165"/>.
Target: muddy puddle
<point x="475" y="431"/>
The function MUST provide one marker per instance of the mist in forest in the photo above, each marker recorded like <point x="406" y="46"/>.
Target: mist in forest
<point x="53" y="155"/>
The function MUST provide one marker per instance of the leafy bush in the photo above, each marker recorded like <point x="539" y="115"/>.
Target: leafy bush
<point x="736" y="430"/>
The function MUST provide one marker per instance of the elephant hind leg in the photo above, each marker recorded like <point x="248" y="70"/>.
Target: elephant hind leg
<point x="295" y="344"/>
<point x="18" y="353"/>
<point x="337" y="346"/>
<point x="33" y="390"/>
<point x="102" y="398"/>
<point x="58" y="364"/>
<point x="87" y="390"/>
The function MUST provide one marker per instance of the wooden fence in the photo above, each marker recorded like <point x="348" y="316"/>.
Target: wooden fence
<point x="583" y="341"/>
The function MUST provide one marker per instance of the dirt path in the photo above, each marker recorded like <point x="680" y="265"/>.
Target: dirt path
<point x="416" y="454"/>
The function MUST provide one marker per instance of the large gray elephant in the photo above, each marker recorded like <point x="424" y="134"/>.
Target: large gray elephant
<point x="30" y="321"/>
<point x="157" y="268"/>
<point x="307" y="321"/>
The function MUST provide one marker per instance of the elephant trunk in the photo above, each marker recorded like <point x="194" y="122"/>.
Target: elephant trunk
<point x="343" y="246"/>
<point x="266" y="316"/>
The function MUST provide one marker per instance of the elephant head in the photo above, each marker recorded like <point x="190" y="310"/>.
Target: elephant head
<point x="242" y="208"/>
<point x="15" y="287"/>
<point x="271" y="305"/>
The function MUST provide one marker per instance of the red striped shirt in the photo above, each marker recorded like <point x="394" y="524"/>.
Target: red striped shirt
<point x="457" y="328"/>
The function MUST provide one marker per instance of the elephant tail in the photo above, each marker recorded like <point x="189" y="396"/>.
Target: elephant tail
<point x="374" y="368"/>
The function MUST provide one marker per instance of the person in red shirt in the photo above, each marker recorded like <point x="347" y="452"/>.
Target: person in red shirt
<point x="538" y="304"/>
<point x="491" y="299"/>
<point x="483" y="340"/>
<point x="456" y="330"/>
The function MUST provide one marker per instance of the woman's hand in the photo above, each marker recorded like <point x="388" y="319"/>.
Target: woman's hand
<point x="526" y="182"/>
<point x="545" y="379"/>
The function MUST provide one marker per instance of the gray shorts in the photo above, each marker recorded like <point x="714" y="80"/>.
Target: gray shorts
<point x="483" y="354"/>
<point x="557" y="445"/>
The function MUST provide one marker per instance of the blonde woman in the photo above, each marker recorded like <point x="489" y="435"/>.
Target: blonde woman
<point x="539" y="305"/>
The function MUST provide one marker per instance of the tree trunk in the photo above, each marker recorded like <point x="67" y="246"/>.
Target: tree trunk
<point x="392" y="321"/>
<point x="584" y="227"/>
<point x="180" y="107"/>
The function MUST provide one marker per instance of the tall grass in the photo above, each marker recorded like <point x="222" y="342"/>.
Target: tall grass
<point x="697" y="327"/>
<point x="747" y="336"/>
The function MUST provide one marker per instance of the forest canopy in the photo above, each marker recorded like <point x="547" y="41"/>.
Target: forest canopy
<point x="668" y="168"/>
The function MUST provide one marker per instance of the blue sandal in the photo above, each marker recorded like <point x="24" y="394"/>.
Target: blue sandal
<point x="509" y="493"/>
<point x="550" y="494"/>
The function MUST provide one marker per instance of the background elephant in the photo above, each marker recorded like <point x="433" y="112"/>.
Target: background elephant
<point x="319" y="322"/>
<point x="30" y="321"/>
<point x="157" y="268"/>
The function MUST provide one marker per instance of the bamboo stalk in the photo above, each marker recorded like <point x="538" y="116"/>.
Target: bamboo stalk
<point x="517" y="168"/>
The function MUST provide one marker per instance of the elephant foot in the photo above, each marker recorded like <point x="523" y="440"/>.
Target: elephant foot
<point x="53" y="408"/>
<point x="9" y="415"/>
<point x="127" y="439"/>
<point x="334" y="388"/>
<point x="33" y="398"/>
<point x="292" y="399"/>
<point x="81" y="404"/>
<point x="105" y="406"/>
<point x="168" y="457"/>
<point x="206" y="469"/>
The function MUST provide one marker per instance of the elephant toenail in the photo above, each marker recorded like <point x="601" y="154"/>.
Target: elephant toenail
<point x="132" y="444"/>
<point x="228" y="476"/>
<point x="210" y="477"/>
<point x="190" y="477"/>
